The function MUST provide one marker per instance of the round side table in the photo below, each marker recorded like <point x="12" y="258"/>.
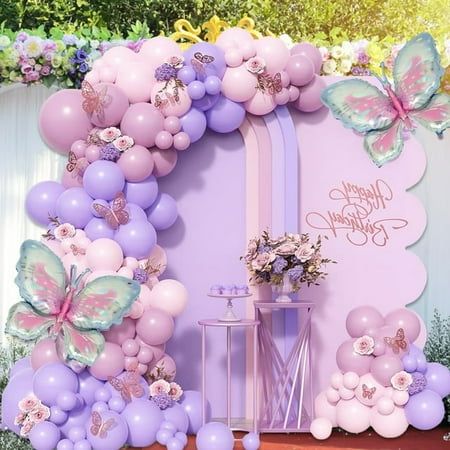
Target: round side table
<point x="246" y="323"/>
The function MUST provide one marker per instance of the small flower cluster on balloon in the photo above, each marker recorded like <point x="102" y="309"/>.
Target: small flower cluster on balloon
<point x="384" y="380"/>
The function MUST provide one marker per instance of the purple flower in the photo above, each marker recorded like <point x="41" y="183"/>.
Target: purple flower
<point x="49" y="45"/>
<point x="48" y="56"/>
<point x="45" y="71"/>
<point x="26" y="68"/>
<point x="69" y="39"/>
<point x="22" y="36"/>
<point x="109" y="153"/>
<point x="356" y="71"/>
<point x="264" y="248"/>
<point x="140" y="275"/>
<point x="363" y="58"/>
<point x="83" y="67"/>
<point x="279" y="264"/>
<point x="135" y="45"/>
<point x="295" y="273"/>
<point x="418" y="384"/>
<point x="165" y="72"/>
<point x="163" y="401"/>
<point x="80" y="56"/>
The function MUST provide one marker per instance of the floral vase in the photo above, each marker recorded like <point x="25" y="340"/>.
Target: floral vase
<point x="283" y="290"/>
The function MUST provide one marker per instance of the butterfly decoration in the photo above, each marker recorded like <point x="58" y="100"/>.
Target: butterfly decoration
<point x="77" y="250"/>
<point x="95" y="101"/>
<point x="368" y="393"/>
<point x="56" y="306"/>
<point x="76" y="166"/>
<point x="116" y="214"/>
<point x="199" y="61"/>
<point x="100" y="428"/>
<point x="270" y="84"/>
<point x="397" y="342"/>
<point x="162" y="100"/>
<point x="129" y="386"/>
<point x="411" y="98"/>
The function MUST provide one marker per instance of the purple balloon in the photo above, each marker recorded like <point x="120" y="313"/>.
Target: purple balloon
<point x="74" y="206"/>
<point x="66" y="400"/>
<point x="191" y="401"/>
<point x="76" y="434"/>
<point x="100" y="407"/>
<point x="116" y="404"/>
<point x="21" y="364"/>
<point x="350" y="361"/>
<point x="216" y="67"/>
<point x="88" y="386"/>
<point x="115" y="437"/>
<point x="186" y="74"/>
<point x="214" y="436"/>
<point x="52" y="379"/>
<point x="182" y="437"/>
<point x="17" y="388"/>
<point x="103" y="179"/>
<point x="163" y="435"/>
<point x="136" y="212"/>
<point x="65" y="444"/>
<point x="226" y="115"/>
<point x="163" y="213"/>
<point x="207" y="102"/>
<point x="425" y="410"/>
<point x="41" y="201"/>
<point x="177" y="415"/>
<point x="409" y="363"/>
<point x="44" y="436"/>
<point x="143" y="418"/>
<point x="137" y="238"/>
<point x="420" y="357"/>
<point x="98" y="228"/>
<point x="384" y="367"/>
<point x="196" y="90"/>
<point x="251" y="441"/>
<point x="213" y="85"/>
<point x="438" y="379"/>
<point x="174" y="444"/>
<point x="57" y="415"/>
<point x="143" y="193"/>
<point x="194" y="124"/>
<point x="102" y="394"/>
<point x="77" y="418"/>
<point x="82" y="445"/>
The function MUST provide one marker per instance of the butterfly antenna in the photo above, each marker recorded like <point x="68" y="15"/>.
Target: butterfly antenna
<point x="80" y="277"/>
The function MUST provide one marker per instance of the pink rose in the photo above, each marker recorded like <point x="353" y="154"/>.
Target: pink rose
<point x="401" y="380"/>
<point x="64" y="231"/>
<point x="109" y="134"/>
<point x="256" y="65"/>
<point x="29" y="403"/>
<point x="19" y="418"/>
<point x="175" y="61"/>
<point x="26" y="428"/>
<point x="159" y="387"/>
<point x="364" y="345"/>
<point x="286" y="249"/>
<point x="175" y="391"/>
<point x="40" y="414"/>
<point x="304" y="252"/>
<point x="262" y="260"/>
<point x="123" y="143"/>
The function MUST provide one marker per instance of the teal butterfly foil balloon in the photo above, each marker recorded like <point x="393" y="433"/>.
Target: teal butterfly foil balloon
<point x="410" y="98"/>
<point x="55" y="306"/>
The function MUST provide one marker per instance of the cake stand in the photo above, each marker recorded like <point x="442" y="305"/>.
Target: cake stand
<point x="229" y="315"/>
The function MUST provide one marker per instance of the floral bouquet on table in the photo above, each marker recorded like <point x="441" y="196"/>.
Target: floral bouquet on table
<point x="285" y="262"/>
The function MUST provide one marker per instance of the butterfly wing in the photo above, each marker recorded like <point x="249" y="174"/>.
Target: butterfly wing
<point x="107" y="214"/>
<point x="25" y="323"/>
<point x="436" y="115"/>
<point x="118" y="207"/>
<point x="108" y="425"/>
<point x="103" y="302"/>
<point x="417" y="72"/>
<point x="72" y="161"/>
<point x="96" y="422"/>
<point x="359" y="105"/>
<point x="385" y="145"/>
<point x="41" y="277"/>
<point x="133" y="384"/>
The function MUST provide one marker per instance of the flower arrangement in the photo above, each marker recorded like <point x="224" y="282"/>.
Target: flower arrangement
<point x="294" y="255"/>
<point x="164" y="394"/>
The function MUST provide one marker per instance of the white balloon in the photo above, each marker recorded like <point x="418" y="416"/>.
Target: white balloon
<point x="169" y="295"/>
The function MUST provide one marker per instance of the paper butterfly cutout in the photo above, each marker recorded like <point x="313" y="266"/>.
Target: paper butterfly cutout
<point x="116" y="215"/>
<point x="76" y="166"/>
<point x="161" y="101"/>
<point x="74" y="317"/>
<point x="368" y="393"/>
<point x="99" y="427"/>
<point x="412" y="98"/>
<point x="268" y="83"/>
<point x="199" y="61"/>
<point x="397" y="342"/>
<point x="77" y="250"/>
<point x="95" y="101"/>
<point x="128" y="386"/>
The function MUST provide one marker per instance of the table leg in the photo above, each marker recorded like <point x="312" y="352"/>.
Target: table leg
<point x="255" y="379"/>
<point x="203" y="374"/>
<point x="229" y="377"/>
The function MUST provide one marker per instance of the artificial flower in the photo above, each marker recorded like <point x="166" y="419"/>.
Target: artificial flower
<point x="165" y="72"/>
<point x="159" y="387"/>
<point x="304" y="252"/>
<point x="109" y="152"/>
<point x="419" y="383"/>
<point x="345" y="65"/>
<point x="29" y="403"/>
<point x="39" y="414"/>
<point x="33" y="46"/>
<point x="109" y="134"/>
<point x="256" y="65"/>
<point x="329" y="67"/>
<point x="262" y="260"/>
<point x="26" y="428"/>
<point x="163" y="400"/>
<point x="175" y="391"/>
<point x="123" y="143"/>
<point x="64" y="231"/>
<point x="336" y="52"/>
<point x="175" y="61"/>
<point x="364" y="345"/>
<point x="401" y="380"/>
<point x="286" y="249"/>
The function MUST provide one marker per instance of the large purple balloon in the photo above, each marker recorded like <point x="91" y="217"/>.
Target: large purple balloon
<point x="62" y="120"/>
<point x="88" y="386"/>
<point x="115" y="438"/>
<point x="194" y="124"/>
<point x="225" y="116"/>
<point x="41" y="201"/>
<point x="143" y="193"/>
<point x="136" y="212"/>
<point x="115" y="108"/>
<point x="52" y="379"/>
<point x="163" y="213"/>
<point x="207" y="102"/>
<point x="361" y="319"/>
<point x="143" y="418"/>
<point x="21" y="364"/>
<point x="438" y="379"/>
<point x="98" y="228"/>
<point x="191" y="401"/>
<point x="103" y="179"/>
<point x="384" y="367"/>
<point x="216" y="67"/>
<point x="44" y="436"/>
<point x="136" y="238"/>
<point x="177" y="415"/>
<point x="74" y="206"/>
<point x="77" y="418"/>
<point x="350" y="361"/>
<point x="214" y="436"/>
<point x="425" y="410"/>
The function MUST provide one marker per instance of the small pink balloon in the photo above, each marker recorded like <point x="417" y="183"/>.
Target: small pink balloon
<point x="369" y="390"/>
<point x="321" y="428"/>
<point x="384" y="367"/>
<point x="274" y="52"/>
<point x="389" y="426"/>
<point x="156" y="50"/>
<point x="351" y="380"/>
<point x="300" y="70"/>
<point x="108" y="74"/>
<point x="233" y="57"/>
<point x="400" y="398"/>
<point x="282" y="97"/>
<point x="385" y="405"/>
<point x="181" y="141"/>
<point x="260" y="104"/>
<point x="125" y="272"/>
<point x="309" y="100"/>
<point x="44" y="352"/>
<point x="248" y="49"/>
<point x="350" y="361"/>
<point x="407" y="320"/>
<point x="337" y="380"/>
<point x="311" y="52"/>
<point x="93" y="76"/>
<point x="131" y="362"/>
<point x="332" y="395"/>
<point x="130" y="347"/>
<point x="142" y="368"/>
<point x="137" y="309"/>
<point x="145" y="296"/>
<point x="285" y="81"/>
<point x="130" y="262"/>
<point x="294" y="93"/>
<point x="79" y="148"/>
<point x="346" y="394"/>
<point x="118" y="57"/>
<point x="323" y="408"/>
<point x="155" y="326"/>
<point x="137" y="80"/>
<point x="120" y="333"/>
<point x="109" y="363"/>
<point x="239" y="84"/>
<point x="234" y="37"/>
<point x="112" y="113"/>
<point x="136" y="163"/>
<point x="145" y="355"/>
<point x="164" y="140"/>
<point x="92" y="153"/>
<point x="172" y="124"/>
<point x="104" y="254"/>
<point x="353" y="416"/>
<point x="171" y="107"/>
<point x="165" y="161"/>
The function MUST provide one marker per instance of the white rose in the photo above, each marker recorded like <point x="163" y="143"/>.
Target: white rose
<point x="329" y="67"/>
<point x="336" y="52"/>
<point x="345" y="65"/>
<point x="347" y="50"/>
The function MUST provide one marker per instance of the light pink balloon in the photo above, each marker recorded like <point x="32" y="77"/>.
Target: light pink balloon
<point x="92" y="153"/>
<point x="400" y="398"/>
<point x="120" y="333"/>
<point x="142" y="122"/>
<point x="390" y="426"/>
<point x="294" y="93"/>
<point x="239" y="84"/>
<point x="145" y="296"/>
<point x="98" y="64"/>
<point x="79" y="148"/>
<point x="112" y="113"/>
<point x="384" y="367"/>
<point x="321" y="428"/>
<point x="93" y="76"/>
<point x="337" y="380"/>
<point x="311" y="52"/>
<point x="100" y="273"/>
<point x="350" y="361"/>
<point x="233" y="57"/>
<point x="156" y="50"/>
<point x="300" y="70"/>
<point x="79" y="261"/>
<point x="346" y="394"/>
<point x="172" y="124"/>
<point x="54" y="246"/>
<point x="125" y="272"/>
<point x="282" y="97"/>
<point x="385" y="405"/>
<point x="351" y="380"/>
<point x="108" y="74"/>
<point x="104" y="254"/>
<point x="109" y="363"/>
<point x="274" y="52"/>
<point x="165" y="161"/>
<point x="131" y="362"/>
<point x="170" y="296"/>
<point x="309" y="100"/>
<point x="167" y="364"/>
<point x="332" y="395"/>
<point x="119" y="57"/>
<point x="145" y="355"/>
<point x="136" y="163"/>
<point x="130" y="347"/>
<point x="248" y="49"/>
<point x="158" y="350"/>
<point x="406" y="319"/>
<point x="181" y="141"/>
<point x="164" y="140"/>
<point x="137" y="80"/>
<point x="372" y="389"/>
<point x="158" y="260"/>
<point x="171" y="108"/>
<point x="234" y="37"/>
<point x="352" y="416"/>
<point x="44" y="352"/>
<point x="131" y="262"/>
<point x="323" y="408"/>
<point x="137" y="309"/>
<point x="361" y="319"/>
<point x="62" y="120"/>
<point x="155" y="327"/>
<point x="260" y="104"/>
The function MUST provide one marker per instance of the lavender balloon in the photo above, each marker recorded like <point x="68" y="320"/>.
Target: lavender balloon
<point x="214" y="436"/>
<point x="115" y="437"/>
<point x="216" y="67"/>
<point x="44" y="436"/>
<point x="98" y="228"/>
<point x="207" y="102"/>
<point x="425" y="410"/>
<point x="194" y="124"/>
<point x="41" y="201"/>
<point x="226" y="115"/>
<point x="21" y="364"/>
<point x="177" y="415"/>
<point x="421" y="360"/>
<point x="438" y="379"/>
<point x="137" y="238"/>
<point x="163" y="213"/>
<point x="136" y="212"/>
<point x="77" y="418"/>
<point x="191" y="401"/>
<point x="143" y="193"/>
<point x="103" y="179"/>
<point x="74" y="206"/>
